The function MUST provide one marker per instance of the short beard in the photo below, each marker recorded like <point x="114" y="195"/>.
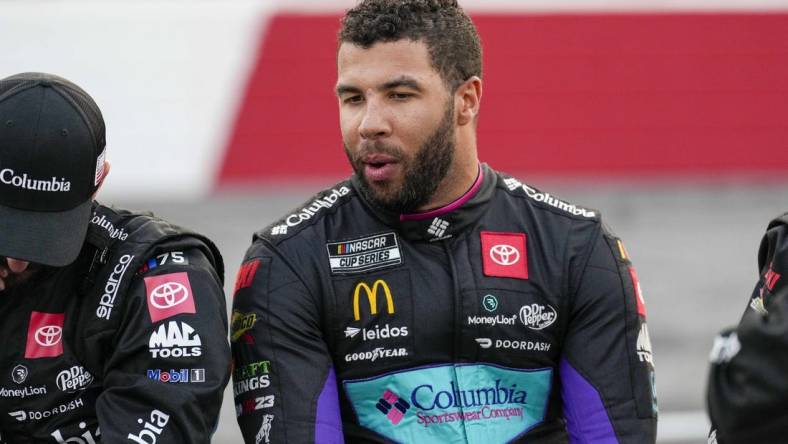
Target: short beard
<point x="423" y="173"/>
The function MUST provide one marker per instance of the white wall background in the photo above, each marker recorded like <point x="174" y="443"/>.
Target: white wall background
<point x="166" y="74"/>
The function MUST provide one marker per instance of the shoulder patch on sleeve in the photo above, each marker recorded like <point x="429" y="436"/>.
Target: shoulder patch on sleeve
<point x="164" y="258"/>
<point x="547" y="200"/>
<point x="246" y="274"/>
<point x="168" y="295"/>
<point x="307" y="213"/>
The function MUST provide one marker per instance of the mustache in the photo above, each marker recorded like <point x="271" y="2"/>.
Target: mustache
<point x="378" y="147"/>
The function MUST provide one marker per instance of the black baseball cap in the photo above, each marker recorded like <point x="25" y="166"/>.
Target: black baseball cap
<point x="52" y="148"/>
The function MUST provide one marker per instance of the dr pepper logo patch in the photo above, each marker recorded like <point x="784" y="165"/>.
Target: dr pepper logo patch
<point x="504" y="255"/>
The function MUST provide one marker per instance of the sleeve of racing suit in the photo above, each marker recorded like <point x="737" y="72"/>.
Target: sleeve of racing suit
<point x="748" y="388"/>
<point x="606" y="369"/>
<point x="284" y="384"/>
<point x="164" y="380"/>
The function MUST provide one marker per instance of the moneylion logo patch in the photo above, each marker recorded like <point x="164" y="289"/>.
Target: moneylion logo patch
<point x="372" y="297"/>
<point x="364" y="254"/>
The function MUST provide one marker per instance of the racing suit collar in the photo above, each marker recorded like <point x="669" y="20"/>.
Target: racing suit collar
<point x="444" y="222"/>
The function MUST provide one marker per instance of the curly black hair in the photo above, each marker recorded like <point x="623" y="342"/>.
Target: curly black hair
<point x="451" y="37"/>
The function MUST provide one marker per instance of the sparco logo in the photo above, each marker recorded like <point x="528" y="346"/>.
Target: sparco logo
<point x="73" y="379"/>
<point x="175" y="339"/>
<point x="48" y="335"/>
<point x="504" y="255"/>
<point x="53" y="185"/>
<point x="537" y="317"/>
<point x="309" y="211"/>
<point x="107" y="301"/>
<point x="168" y="294"/>
<point x="114" y="233"/>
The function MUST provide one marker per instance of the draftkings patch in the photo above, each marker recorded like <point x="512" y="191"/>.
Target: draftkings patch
<point x="367" y="253"/>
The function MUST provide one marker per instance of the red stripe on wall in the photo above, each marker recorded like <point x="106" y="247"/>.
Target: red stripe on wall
<point x="620" y="94"/>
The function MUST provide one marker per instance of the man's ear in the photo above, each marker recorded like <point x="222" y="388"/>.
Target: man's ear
<point x="469" y="96"/>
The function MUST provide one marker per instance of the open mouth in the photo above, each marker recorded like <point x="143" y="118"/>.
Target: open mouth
<point x="380" y="167"/>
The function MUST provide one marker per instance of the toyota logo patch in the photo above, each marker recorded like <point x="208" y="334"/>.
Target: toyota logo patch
<point x="44" y="335"/>
<point x="168" y="294"/>
<point x="48" y="335"/>
<point x="504" y="255"/>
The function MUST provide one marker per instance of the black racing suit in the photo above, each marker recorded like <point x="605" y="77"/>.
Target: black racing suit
<point x="507" y="316"/>
<point x="125" y="345"/>
<point x="748" y="382"/>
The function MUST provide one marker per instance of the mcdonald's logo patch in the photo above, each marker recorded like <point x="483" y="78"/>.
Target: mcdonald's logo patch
<point x="372" y="293"/>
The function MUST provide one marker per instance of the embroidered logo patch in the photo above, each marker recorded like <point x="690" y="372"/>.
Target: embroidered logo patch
<point x="504" y="254"/>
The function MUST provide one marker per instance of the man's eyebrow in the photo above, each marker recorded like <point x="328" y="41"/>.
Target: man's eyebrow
<point x="404" y="81"/>
<point x="347" y="89"/>
<point x="407" y="82"/>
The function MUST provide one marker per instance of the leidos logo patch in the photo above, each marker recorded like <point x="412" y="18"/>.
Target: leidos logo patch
<point x="169" y="295"/>
<point x="368" y="253"/>
<point x="504" y="255"/>
<point x="372" y="297"/>
<point x="44" y="335"/>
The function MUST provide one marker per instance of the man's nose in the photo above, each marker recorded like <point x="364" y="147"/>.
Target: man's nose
<point x="375" y="123"/>
<point x="17" y="266"/>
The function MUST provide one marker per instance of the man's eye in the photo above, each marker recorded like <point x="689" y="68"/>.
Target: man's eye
<point x="401" y="96"/>
<point x="353" y="99"/>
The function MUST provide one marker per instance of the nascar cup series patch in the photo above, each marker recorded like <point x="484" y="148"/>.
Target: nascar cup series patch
<point x="364" y="254"/>
<point x="473" y="403"/>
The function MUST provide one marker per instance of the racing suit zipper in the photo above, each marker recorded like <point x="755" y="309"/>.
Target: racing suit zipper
<point x="455" y="286"/>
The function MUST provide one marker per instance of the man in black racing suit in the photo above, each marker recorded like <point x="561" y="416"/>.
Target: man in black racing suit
<point x="430" y="298"/>
<point x="114" y="322"/>
<point x="747" y="391"/>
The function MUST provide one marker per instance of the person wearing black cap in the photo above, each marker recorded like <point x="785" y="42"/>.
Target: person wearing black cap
<point x="114" y="322"/>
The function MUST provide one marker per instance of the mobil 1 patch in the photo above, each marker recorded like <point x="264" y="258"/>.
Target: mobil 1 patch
<point x="364" y="254"/>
